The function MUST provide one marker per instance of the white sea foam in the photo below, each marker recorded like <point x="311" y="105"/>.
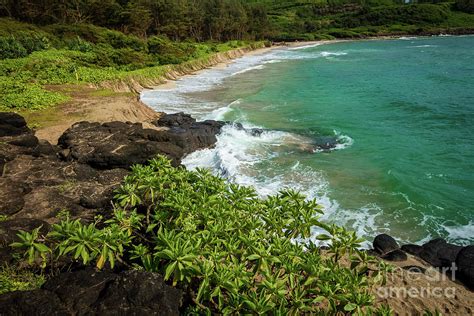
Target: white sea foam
<point x="248" y="69"/>
<point x="423" y="46"/>
<point x="407" y="38"/>
<point x="272" y="61"/>
<point x="460" y="234"/>
<point x="180" y="97"/>
<point x="219" y="113"/>
<point x="306" y="46"/>
<point x="329" y="54"/>
<point x="343" y="141"/>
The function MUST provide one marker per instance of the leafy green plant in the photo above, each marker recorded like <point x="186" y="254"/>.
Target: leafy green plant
<point x="233" y="251"/>
<point x="33" y="246"/>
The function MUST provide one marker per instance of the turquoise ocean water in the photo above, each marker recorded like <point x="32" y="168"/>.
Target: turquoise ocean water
<point x="401" y="110"/>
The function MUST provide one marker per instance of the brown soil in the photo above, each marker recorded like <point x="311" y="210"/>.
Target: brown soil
<point x="88" y="104"/>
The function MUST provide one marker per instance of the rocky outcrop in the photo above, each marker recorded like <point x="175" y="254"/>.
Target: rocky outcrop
<point x="121" y="145"/>
<point x="465" y="266"/>
<point x="456" y="260"/>
<point x="412" y="249"/>
<point x="88" y="292"/>
<point x="439" y="253"/>
<point x="39" y="180"/>
<point x="395" y="255"/>
<point x="384" y="244"/>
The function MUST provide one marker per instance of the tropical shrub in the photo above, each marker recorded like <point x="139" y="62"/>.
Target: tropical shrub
<point x="228" y="249"/>
<point x="11" y="48"/>
<point x="17" y="94"/>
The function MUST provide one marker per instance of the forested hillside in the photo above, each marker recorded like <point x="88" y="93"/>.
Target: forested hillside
<point x="50" y="42"/>
<point x="223" y="20"/>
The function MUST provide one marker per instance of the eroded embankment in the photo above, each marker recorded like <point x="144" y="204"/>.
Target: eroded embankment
<point x="115" y="100"/>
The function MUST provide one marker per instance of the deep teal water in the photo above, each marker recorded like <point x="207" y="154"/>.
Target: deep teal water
<point x="403" y="111"/>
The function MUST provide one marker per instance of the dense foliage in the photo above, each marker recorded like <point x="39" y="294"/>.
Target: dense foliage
<point x="465" y="5"/>
<point x="230" y="250"/>
<point x="239" y="19"/>
<point x="59" y="54"/>
<point x="13" y="279"/>
<point x="178" y="19"/>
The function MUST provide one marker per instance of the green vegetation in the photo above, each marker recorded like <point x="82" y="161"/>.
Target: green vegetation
<point x="68" y="58"/>
<point x="14" y="279"/>
<point x="55" y="52"/>
<point x="230" y="250"/>
<point x="320" y="19"/>
<point x="465" y="5"/>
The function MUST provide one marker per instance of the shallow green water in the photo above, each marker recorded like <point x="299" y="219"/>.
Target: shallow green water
<point x="404" y="114"/>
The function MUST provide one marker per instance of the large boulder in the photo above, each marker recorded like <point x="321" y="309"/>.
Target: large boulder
<point x="88" y="292"/>
<point x="412" y="249"/>
<point x="12" y="124"/>
<point x="41" y="187"/>
<point x="186" y="132"/>
<point x="439" y="253"/>
<point x="384" y="244"/>
<point x="325" y="143"/>
<point x="396" y="255"/>
<point x="121" y="145"/>
<point x="465" y="266"/>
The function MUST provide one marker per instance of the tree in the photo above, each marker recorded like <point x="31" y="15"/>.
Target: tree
<point x="465" y="5"/>
<point x="137" y="18"/>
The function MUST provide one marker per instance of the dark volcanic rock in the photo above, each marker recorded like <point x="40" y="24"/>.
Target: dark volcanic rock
<point x="439" y="253"/>
<point x="187" y="133"/>
<point x="325" y="143"/>
<point x="412" y="249"/>
<point x="41" y="187"/>
<point x="12" y="124"/>
<point x="465" y="266"/>
<point x="110" y="145"/>
<point x="121" y="145"/>
<point x="396" y="255"/>
<point x="87" y="292"/>
<point x="38" y="302"/>
<point x="384" y="243"/>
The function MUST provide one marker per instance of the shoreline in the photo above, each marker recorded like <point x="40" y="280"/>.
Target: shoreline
<point x="120" y="101"/>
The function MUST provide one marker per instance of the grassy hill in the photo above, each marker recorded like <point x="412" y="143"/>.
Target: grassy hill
<point x="320" y="19"/>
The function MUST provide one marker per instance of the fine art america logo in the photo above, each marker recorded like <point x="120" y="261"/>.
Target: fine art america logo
<point x="419" y="283"/>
